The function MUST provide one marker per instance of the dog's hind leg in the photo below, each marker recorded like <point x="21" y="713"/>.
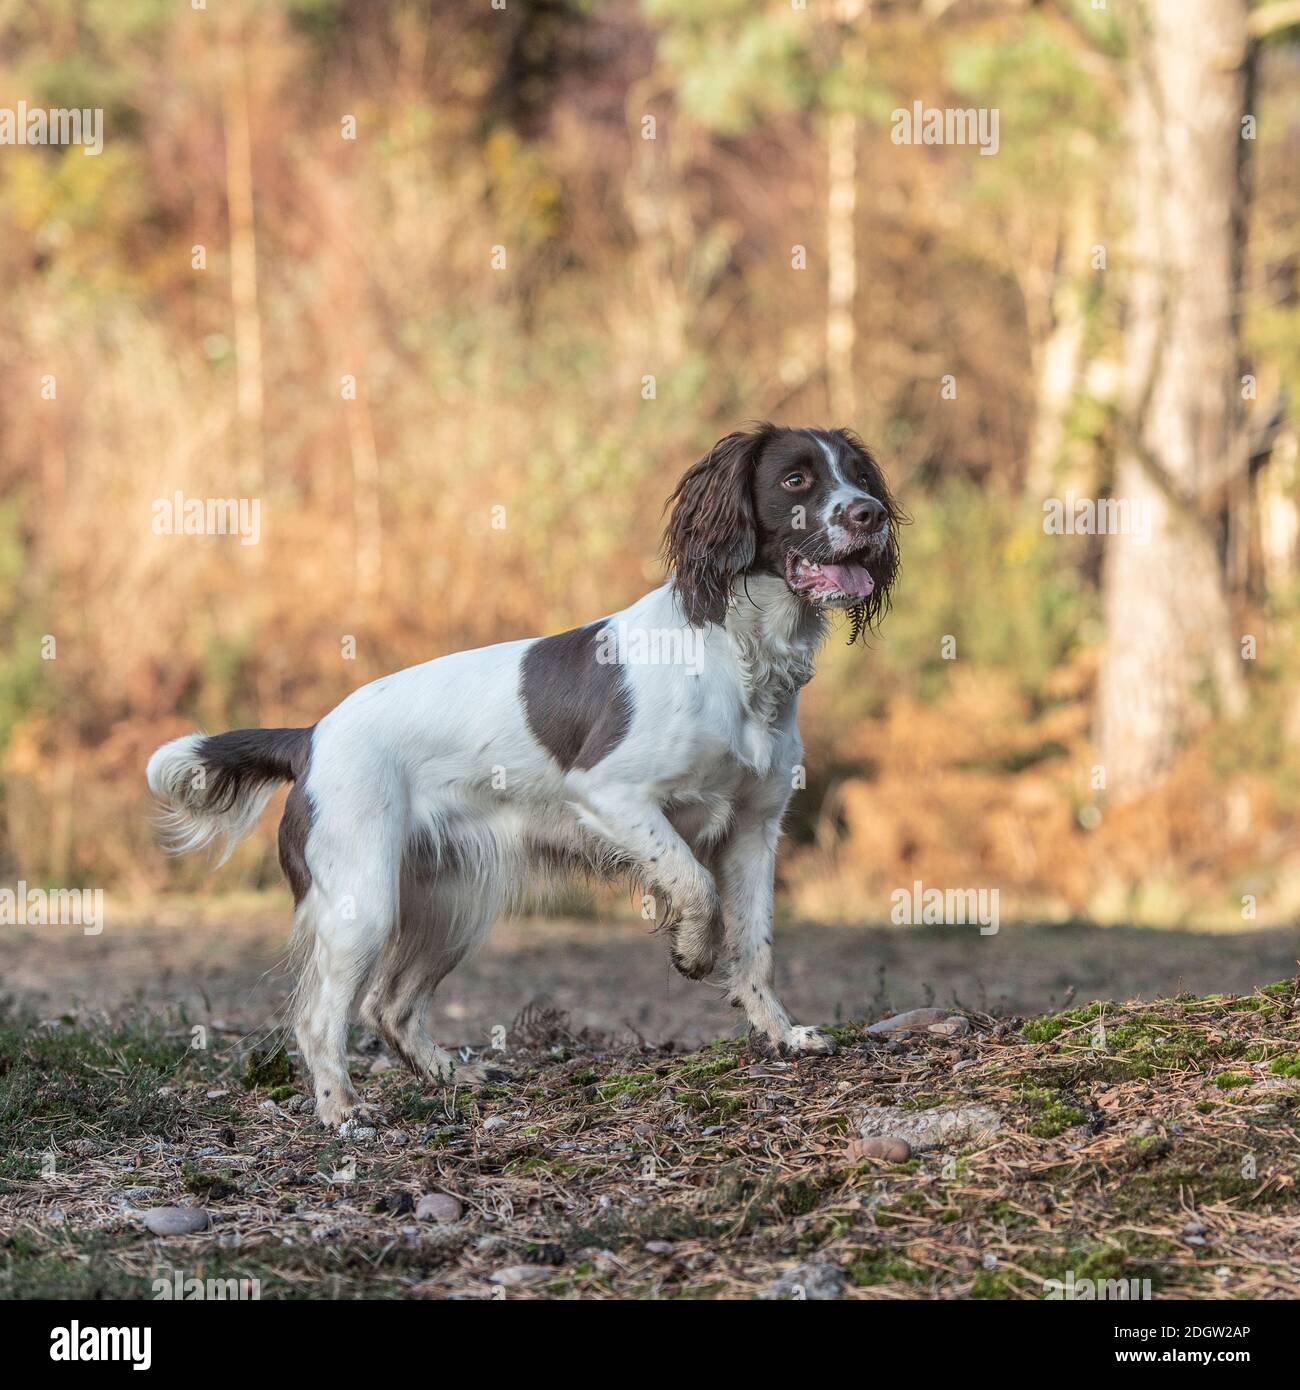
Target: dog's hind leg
<point x="344" y="922"/>
<point x="442" y="918"/>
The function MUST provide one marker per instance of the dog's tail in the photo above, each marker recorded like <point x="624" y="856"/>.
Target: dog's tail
<point x="215" y="786"/>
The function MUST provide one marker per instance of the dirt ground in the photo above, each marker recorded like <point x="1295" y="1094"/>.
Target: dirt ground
<point x="222" y="959"/>
<point x="632" y="1145"/>
<point x="1109" y="1151"/>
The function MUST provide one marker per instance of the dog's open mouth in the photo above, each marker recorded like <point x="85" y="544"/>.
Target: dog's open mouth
<point x="839" y="583"/>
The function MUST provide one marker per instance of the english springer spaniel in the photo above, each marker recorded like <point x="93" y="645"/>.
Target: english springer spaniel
<point x="658" y="743"/>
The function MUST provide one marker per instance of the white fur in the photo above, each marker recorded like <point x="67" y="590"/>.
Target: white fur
<point x="187" y="823"/>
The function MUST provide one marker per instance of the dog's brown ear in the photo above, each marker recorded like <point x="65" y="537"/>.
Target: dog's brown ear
<point x="712" y="535"/>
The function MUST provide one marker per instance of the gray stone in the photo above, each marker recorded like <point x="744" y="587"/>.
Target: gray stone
<point x="819" y="1282"/>
<point x="175" y="1221"/>
<point x="439" y="1207"/>
<point x="955" y="1027"/>
<point x="914" y="1020"/>
<point x="519" y="1275"/>
<point x="939" y="1128"/>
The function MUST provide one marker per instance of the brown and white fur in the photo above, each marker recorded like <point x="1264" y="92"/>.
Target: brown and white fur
<point x="660" y="742"/>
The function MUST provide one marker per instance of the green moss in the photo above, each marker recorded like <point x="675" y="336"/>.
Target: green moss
<point x="899" y="1207"/>
<point x="700" y="1102"/>
<point x="542" y="1163"/>
<point x="872" y="1267"/>
<point x="267" y="1067"/>
<point x="927" y="1101"/>
<point x="1040" y="1030"/>
<point x="1288" y="1064"/>
<point x="639" y="1085"/>
<point x="1153" y="1192"/>
<point x="210" y="1184"/>
<point x="1228" y="1080"/>
<point x="1050" y="1115"/>
<point x="711" y="1066"/>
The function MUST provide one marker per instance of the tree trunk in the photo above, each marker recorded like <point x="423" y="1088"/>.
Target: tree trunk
<point x="243" y="253"/>
<point x="1168" y="624"/>
<point x="850" y="18"/>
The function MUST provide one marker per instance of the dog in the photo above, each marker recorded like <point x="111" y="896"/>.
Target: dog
<point x="659" y="744"/>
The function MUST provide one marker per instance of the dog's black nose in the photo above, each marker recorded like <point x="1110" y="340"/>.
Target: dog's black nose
<point x="867" y="514"/>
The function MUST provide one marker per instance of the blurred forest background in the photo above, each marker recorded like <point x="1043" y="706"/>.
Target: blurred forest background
<point x="706" y="195"/>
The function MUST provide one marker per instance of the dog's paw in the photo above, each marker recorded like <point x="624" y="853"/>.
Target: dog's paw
<point x="334" y="1111"/>
<point x="803" y="1041"/>
<point x="696" y="941"/>
<point x="475" y="1074"/>
<point x="796" y="1041"/>
<point x="693" y="966"/>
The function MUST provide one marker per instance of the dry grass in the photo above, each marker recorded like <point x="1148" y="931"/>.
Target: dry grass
<point x="1139" y="1141"/>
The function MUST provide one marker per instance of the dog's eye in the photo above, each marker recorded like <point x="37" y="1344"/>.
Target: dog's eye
<point x="795" y="480"/>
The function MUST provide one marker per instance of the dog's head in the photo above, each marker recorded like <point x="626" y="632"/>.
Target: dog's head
<point x="810" y="507"/>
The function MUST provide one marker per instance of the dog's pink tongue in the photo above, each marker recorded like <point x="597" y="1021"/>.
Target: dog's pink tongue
<point x="849" y="579"/>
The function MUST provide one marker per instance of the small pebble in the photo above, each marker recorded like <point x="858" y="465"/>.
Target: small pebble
<point x="495" y="1122"/>
<point x="439" y="1207"/>
<point x="175" y="1221"/>
<point x="810" y="1282"/>
<point x="601" y="1260"/>
<point x="520" y="1274"/>
<point x="955" y="1027"/>
<point x="912" y="1019"/>
<point x="660" y="1247"/>
<point x="891" y="1149"/>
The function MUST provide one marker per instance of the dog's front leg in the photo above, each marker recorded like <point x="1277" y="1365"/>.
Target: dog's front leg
<point x="747" y="870"/>
<point x="639" y="830"/>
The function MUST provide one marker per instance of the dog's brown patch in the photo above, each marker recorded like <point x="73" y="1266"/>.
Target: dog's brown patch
<point x="578" y="707"/>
